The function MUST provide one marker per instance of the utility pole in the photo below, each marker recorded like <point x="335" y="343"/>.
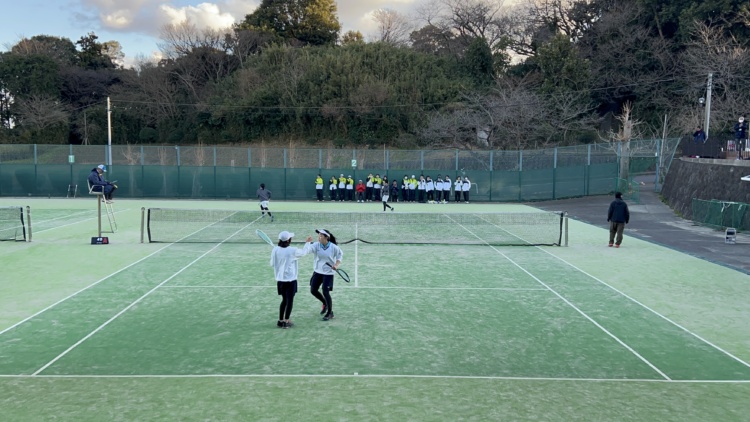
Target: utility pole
<point x="109" y="133"/>
<point x="708" y="103"/>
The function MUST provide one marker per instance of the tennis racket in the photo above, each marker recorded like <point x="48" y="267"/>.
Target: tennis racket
<point x="341" y="273"/>
<point x="264" y="236"/>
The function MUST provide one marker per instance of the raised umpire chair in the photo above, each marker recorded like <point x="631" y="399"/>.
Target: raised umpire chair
<point x="108" y="208"/>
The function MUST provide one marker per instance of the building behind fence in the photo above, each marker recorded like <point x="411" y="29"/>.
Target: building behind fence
<point x="199" y="172"/>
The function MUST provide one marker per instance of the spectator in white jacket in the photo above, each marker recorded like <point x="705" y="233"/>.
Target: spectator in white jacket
<point x="459" y="187"/>
<point x="466" y="189"/>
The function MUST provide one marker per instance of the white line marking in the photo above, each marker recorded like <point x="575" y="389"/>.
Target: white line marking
<point x="386" y="376"/>
<point x="82" y="290"/>
<point x="364" y="287"/>
<point x="356" y="256"/>
<point x="89" y="335"/>
<point x="94" y="284"/>
<point x="69" y="224"/>
<point x="622" y="343"/>
<point x="651" y="310"/>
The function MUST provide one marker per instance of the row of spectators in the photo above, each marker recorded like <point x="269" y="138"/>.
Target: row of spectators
<point x="410" y="189"/>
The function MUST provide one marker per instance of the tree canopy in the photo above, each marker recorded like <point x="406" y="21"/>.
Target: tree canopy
<point x="469" y="74"/>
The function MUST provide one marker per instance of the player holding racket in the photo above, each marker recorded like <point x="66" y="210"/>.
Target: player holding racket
<point x="264" y="195"/>
<point x="327" y="258"/>
<point x="285" y="268"/>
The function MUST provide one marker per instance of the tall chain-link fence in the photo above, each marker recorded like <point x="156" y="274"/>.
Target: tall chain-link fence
<point x="235" y="172"/>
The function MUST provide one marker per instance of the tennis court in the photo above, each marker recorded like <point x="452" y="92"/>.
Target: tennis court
<point x="438" y="330"/>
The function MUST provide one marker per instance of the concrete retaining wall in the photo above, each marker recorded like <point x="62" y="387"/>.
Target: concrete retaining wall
<point x="707" y="179"/>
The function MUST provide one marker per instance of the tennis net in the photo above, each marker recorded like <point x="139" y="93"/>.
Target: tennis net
<point x="12" y="225"/>
<point x="215" y="226"/>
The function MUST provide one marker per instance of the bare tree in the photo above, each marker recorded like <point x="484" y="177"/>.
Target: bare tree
<point x="113" y="50"/>
<point x="467" y="19"/>
<point x="533" y="22"/>
<point x="619" y="141"/>
<point x="714" y="50"/>
<point x="393" y="27"/>
<point x="41" y="112"/>
<point x="181" y="39"/>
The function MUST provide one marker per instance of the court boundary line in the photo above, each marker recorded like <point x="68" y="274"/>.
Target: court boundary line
<point x="383" y="376"/>
<point x="70" y="224"/>
<point x="89" y="335"/>
<point x="649" y="309"/>
<point x="82" y="290"/>
<point x="93" y="284"/>
<point x="601" y="327"/>
<point x="366" y="287"/>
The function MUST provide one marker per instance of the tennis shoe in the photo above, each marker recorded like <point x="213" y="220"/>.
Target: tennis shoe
<point x="288" y="324"/>
<point x="272" y="219"/>
<point x="328" y="317"/>
<point x="392" y="209"/>
<point x="324" y="310"/>
<point x="280" y="324"/>
<point x="617" y="246"/>
<point x="611" y="244"/>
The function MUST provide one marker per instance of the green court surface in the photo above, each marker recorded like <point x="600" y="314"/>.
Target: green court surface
<point x="431" y="332"/>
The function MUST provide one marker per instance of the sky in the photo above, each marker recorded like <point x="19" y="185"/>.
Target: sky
<point x="136" y="24"/>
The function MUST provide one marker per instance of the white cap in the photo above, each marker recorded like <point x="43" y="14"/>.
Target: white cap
<point x="102" y="167"/>
<point x="322" y="231"/>
<point x="742" y="119"/>
<point x="285" y="235"/>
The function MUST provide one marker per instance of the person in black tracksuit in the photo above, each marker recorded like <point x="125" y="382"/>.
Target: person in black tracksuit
<point x="385" y="196"/>
<point x="617" y="216"/>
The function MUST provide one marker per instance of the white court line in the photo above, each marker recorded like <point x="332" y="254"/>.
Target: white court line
<point x="89" y="335"/>
<point x="70" y="224"/>
<point x="364" y="287"/>
<point x="66" y="216"/>
<point x="356" y="256"/>
<point x="650" y="310"/>
<point x="97" y="282"/>
<point x="384" y="376"/>
<point x="83" y="289"/>
<point x="622" y="343"/>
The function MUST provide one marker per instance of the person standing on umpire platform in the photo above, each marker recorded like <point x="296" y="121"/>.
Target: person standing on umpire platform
<point x="617" y="216"/>
<point x="740" y="135"/>
<point x="328" y="257"/>
<point x="264" y="195"/>
<point x="99" y="184"/>
<point x="284" y="260"/>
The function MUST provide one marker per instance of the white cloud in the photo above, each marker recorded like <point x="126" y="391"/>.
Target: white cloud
<point x="144" y="19"/>
<point x="204" y="15"/>
<point x="148" y="16"/>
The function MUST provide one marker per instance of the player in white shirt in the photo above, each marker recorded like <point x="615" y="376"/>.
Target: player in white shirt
<point x="285" y="268"/>
<point x="327" y="252"/>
